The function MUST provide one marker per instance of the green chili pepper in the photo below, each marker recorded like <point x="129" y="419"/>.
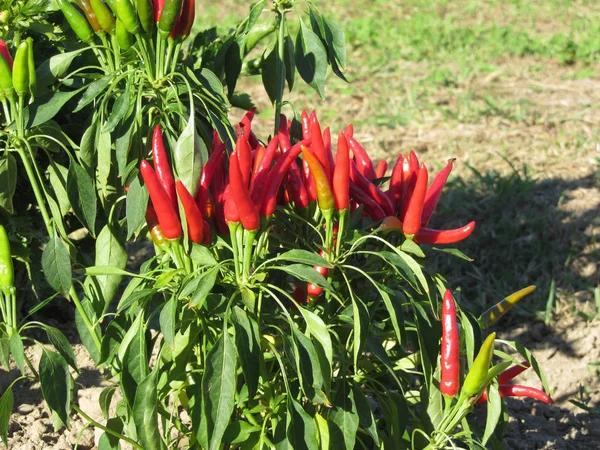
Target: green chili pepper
<point x="104" y="15"/>
<point x="7" y="276"/>
<point x="145" y="12"/>
<point x="20" y="74"/>
<point x="126" y="14"/>
<point x="169" y="16"/>
<point x="477" y="376"/>
<point x="124" y="38"/>
<point x="6" y="83"/>
<point x="77" y="21"/>
<point x="31" y="68"/>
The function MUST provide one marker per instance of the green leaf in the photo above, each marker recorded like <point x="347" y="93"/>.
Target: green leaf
<point x="123" y="140"/>
<point x="304" y="257"/>
<point x="56" y="265"/>
<point x="8" y="181"/>
<point x="84" y="333"/>
<point x="289" y="62"/>
<point x="110" y="252"/>
<point x="87" y="147"/>
<point x="271" y="82"/>
<point x="6" y="406"/>
<point x="218" y="388"/>
<point x="239" y="431"/>
<point x="396" y="415"/>
<point x="55" y="67"/>
<point x="305" y="273"/>
<point x="104" y="155"/>
<point x="301" y="428"/>
<point x="137" y="356"/>
<point x="202" y="256"/>
<point x="317" y="328"/>
<point x="335" y="40"/>
<point x="58" y="181"/>
<point x="407" y="265"/>
<point x="361" y="326"/>
<point x="137" y="203"/>
<point x="323" y="428"/>
<point x="145" y="413"/>
<point x="119" y="110"/>
<point x="93" y="90"/>
<point x="61" y="344"/>
<point x="311" y="59"/>
<point x="189" y="156"/>
<point x="494" y="410"/>
<point x="82" y="195"/>
<point x="454" y="252"/>
<point x="4" y="350"/>
<point x="343" y="418"/>
<point x="206" y="282"/>
<point x="168" y="319"/>
<point x="17" y="351"/>
<point x="247" y="345"/>
<point x="309" y="368"/>
<point x="47" y="106"/>
<point x="108" y="441"/>
<point x="366" y="419"/>
<point x="56" y="384"/>
<point x="105" y="399"/>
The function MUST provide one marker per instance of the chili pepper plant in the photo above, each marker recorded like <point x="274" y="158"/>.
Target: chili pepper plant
<point x="290" y="300"/>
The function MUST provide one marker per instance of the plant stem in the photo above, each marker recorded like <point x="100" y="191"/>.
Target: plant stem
<point x="105" y="429"/>
<point x="280" y="68"/>
<point x="248" y="246"/>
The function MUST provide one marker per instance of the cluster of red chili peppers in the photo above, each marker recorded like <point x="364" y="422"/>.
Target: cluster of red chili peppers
<point x="239" y="194"/>
<point x="450" y="365"/>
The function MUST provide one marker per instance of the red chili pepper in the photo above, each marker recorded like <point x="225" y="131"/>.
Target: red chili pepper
<point x="372" y="208"/>
<point x="193" y="216"/>
<point x="513" y="372"/>
<point x="312" y="289"/>
<point x="275" y="178"/>
<point x="324" y="194"/>
<point x="429" y="236"/>
<point x="434" y="192"/>
<point x="373" y="191"/>
<point x="305" y="125"/>
<point x="412" y="220"/>
<point x="260" y="177"/>
<point x="242" y="148"/>
<point x="186" y="19"/>
<point x="167" y="215"/>
<point x="245" y="125"/>
<point x="450" y="364"/>
<point x="381" y="168"/>
<point x="206" y="238"/>
<point x="163" y="166"/>
<point x="6" y="54"/>
<point x="349" y="131"/>
<point x="363" y="162"/>
<point x="318" y="147"/>
<point x="395" y="190"/>
<point x="258" y="156"/>
<point x="241" y="196"/>
<point x="283" y="133"/>
<point x="295" y="187"/>
<point x="158" y="8"/>
<point x="341" y="174"/>
<point x="410" y="169"/>
<point x="517" y="390"/>
<point x="213" y="165"/>
<point x="230" y="211"/>
<point x="309" y="182"/>
<point x="300" y="295"/>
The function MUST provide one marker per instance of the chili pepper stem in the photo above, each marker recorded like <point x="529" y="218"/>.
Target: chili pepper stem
<point x="249" y="236"/>
<point x="233" y="227"/>
<point x="328" y="214"/>
<point x="6" y="110"/>
<point x="343" y="214"/>
<point x="3" y="306"/>
<point x="109" y="61"/>
<point x="170" y="47"/>
<point x="280" y="68"/>
<point x="176" y="54"/>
